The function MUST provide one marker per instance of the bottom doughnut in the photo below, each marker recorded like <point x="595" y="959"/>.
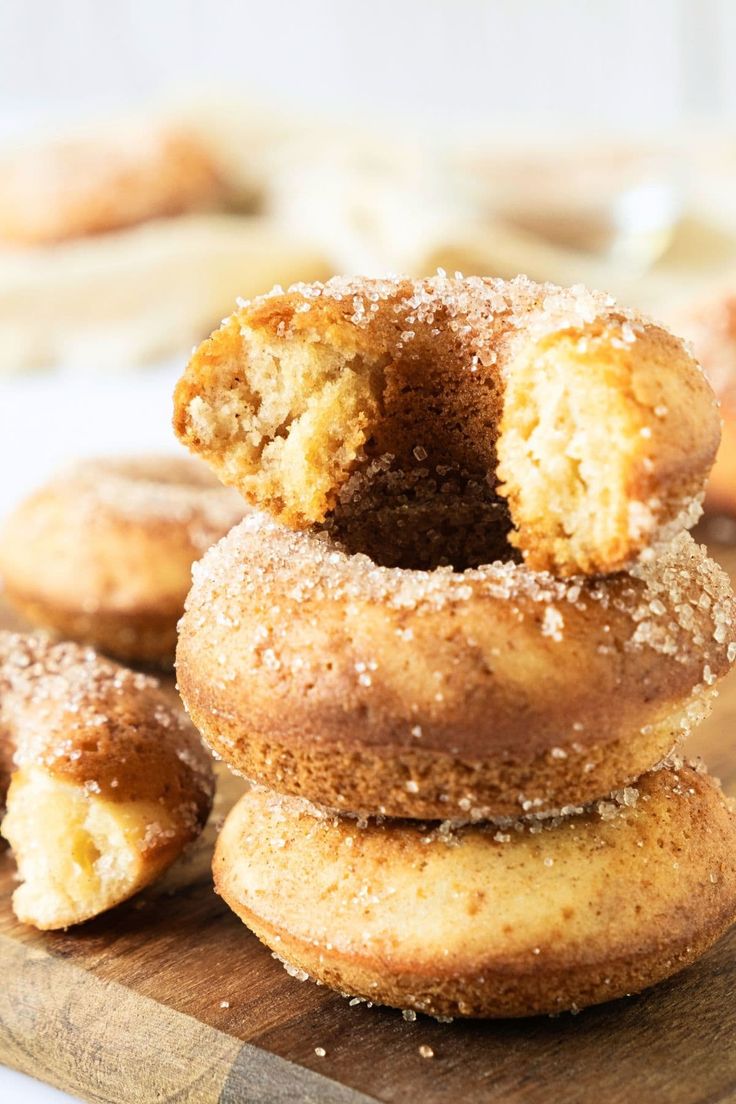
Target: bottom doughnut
<point x="487" y="921"/>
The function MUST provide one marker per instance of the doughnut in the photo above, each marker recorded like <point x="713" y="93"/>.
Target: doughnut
<point x="712" y="327"/>
<point x="444" y="694"/>
<point x="103" y="553"/>
<point x="95" y="181"/>
<point x="108" y="783"/>
<point x="579" y="431"/>
<point x="528" y="918"/>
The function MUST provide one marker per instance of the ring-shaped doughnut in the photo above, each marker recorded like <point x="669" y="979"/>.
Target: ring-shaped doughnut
<point x="711" y="325"/>
<point x="443" y="694"/>
<point x="91" y="183"/>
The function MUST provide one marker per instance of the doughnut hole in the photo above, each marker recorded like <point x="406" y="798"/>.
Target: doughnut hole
<point x="402" y="519"/>
<point x="584" y="421"/>
<point x="77" y="854"/>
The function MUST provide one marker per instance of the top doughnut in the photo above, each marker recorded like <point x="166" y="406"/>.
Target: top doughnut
<point x="432" y="398"/>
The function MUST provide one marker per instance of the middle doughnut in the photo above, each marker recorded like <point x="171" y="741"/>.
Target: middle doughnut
<point x="442" y="694"/>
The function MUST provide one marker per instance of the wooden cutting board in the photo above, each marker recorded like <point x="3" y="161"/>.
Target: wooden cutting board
<point x="169" y="998"/>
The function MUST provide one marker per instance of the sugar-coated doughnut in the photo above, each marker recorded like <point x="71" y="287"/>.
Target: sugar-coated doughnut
<point x="98" y="181"/>
<point x="107" y="782"/>
<point x="591" y="426"/>
<point x="103" y="553"/>
<point x="444" y="694"/>
<point x="488" y="921"/>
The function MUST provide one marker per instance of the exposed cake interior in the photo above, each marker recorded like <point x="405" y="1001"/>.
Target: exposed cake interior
<point x="286" y="420"/>
<point x="564" y="474"/>
<point x="553" y="439"/>
<point x="575" y="448"/>
<point x="76" y="853"/>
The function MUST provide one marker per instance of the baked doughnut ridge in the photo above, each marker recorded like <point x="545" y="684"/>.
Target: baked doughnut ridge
<point x="441" y="694"/>
<point x="103" y="552"/>
<point x="592" y="426"/>
<point x="106" y="782"/>
<point x="525" y="919"/>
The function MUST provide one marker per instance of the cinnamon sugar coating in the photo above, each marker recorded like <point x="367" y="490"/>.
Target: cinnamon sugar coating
<point x="103" y="552"/>
<point x="711" y="325"/>
<point x="441" y="693"/>
<point x="580" y="431"/>
<point x="107" y="782"/>
<point x="533" y="917"/>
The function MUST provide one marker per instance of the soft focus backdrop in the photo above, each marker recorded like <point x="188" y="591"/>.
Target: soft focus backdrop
<point x="443" y="64"/>
<point x="575" y="140"/>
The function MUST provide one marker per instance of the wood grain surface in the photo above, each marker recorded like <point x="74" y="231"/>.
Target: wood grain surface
<point x="169" y="998"/>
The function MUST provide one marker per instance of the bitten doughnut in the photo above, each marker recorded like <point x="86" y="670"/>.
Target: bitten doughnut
<point x="712" y="327"/>
<point x="103" y="553"/>
<point x="443" y="694"/>
<point x="108" y="783"/>
<point x="488" y="921"/>
<point x="100" y="181"/>
<point x="578" y="429"/>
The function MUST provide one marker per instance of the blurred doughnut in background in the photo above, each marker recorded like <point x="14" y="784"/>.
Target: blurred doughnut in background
<point x="711" y="326"/>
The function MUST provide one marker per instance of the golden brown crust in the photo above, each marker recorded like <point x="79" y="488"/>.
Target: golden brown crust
<point x="487" y="921"/>
<point x="86" y="720"/>
<point x="430" y="693"/>
<point x="421" y="375"/>
<point x="95" y="183"/>
<point x="419" y="783"/>
<point x="103" y="553"/>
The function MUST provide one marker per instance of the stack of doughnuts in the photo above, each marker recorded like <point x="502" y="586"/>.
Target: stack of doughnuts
<point x="459" y="644"/>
